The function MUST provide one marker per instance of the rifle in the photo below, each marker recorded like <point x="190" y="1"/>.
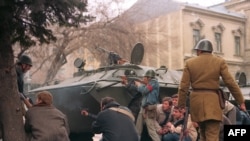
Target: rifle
<point x="129" y="79"/>
<point x="113" y="57"/>
<point x="27" y="101"/>
<point x="184" y="126"/>
<point x="103" y="50"/>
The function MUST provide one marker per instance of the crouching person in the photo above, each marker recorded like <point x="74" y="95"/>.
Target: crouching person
<point x="175" y="127"/>
<point x="115" y="122"/>
<point x="44" y="122"/>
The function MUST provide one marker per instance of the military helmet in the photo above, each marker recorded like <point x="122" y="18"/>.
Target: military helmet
<point x="24" y="59"/>
<point x="150" y="73"/>
<point x="204" y="45"/>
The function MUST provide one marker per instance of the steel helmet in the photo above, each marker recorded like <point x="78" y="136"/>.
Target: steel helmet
<point x="24" y="59"/>
<point x="150" y="73"/>
<point x="204" y="45"/>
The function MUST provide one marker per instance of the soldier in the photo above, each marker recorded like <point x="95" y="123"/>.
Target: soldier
<point x="150" y="92"/>
<point x="23" y="65"/>
<point x="135" y="103"/>
<point x="203" y="73"/>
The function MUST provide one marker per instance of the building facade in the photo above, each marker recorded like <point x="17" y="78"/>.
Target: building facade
<point x="171" y="36"/>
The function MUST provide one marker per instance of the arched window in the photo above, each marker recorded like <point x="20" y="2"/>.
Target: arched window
<point x="197" y="27"/>
<point x="237" y="41"/>
<point x="218" y="31"/>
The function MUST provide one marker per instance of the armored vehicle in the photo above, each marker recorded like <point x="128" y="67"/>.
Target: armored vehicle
<point x="87" y="87"/>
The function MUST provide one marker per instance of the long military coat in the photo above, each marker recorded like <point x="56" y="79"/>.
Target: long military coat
<point x="203" y="72"/>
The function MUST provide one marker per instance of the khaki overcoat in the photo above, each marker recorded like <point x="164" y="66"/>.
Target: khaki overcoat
<point x="203" y="72"/>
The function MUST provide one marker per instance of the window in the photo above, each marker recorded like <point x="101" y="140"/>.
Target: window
<point x="218" y="42"/>
<point x="238" y="35"/>
<point x="197" y="30"/>
<point x="196" y="36"/>
<point x="218" y="32"/>
<point x="237" y="45"/>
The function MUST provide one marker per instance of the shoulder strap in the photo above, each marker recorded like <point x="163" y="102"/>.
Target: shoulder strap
<point x="123" y="111"/>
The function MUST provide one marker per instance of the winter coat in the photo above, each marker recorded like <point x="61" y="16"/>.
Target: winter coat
<point x="46" y="123"/>
<point x="203" y="72"/>
<point x="115" y="126"/>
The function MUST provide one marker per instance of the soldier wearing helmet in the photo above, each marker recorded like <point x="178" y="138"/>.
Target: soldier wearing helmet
<point x="150" y="93"/>
<point x="204" y="45"/>
<point x="24" y="64"/>
<point x="24" y="59"/>
<point x="203" y="74"/>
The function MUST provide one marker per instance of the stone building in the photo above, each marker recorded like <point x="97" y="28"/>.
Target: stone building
<point x="172" y="29"/>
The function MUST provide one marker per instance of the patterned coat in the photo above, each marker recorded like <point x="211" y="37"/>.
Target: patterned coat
<point x="46" y="123"/>
<point x="203" y="72"/>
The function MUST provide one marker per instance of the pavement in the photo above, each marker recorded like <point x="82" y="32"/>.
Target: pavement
<point x="97" y="137"/>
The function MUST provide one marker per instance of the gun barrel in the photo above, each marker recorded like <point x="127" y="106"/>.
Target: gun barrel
<point x="132" y="79"/>
<point x="103" y="50"/>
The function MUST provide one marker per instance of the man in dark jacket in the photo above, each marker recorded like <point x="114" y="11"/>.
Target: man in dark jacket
<point x="115" y="122"/>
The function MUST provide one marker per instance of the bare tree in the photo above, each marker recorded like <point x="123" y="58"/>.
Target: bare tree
<point x="114" y="34"/>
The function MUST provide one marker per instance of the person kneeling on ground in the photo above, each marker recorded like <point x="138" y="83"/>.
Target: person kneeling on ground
<point x="115" y="122"/>
<point x="43" y="122"/>
<point x="175" y="127"/>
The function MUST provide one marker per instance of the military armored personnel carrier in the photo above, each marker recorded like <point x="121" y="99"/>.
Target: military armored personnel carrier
<point x="87" y="87"/>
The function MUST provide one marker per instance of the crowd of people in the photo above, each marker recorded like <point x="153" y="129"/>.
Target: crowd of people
<point x="194" y="113"/>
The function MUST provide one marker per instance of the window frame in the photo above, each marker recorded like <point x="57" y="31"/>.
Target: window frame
<point x="237" y="45"/>
<point x="196" y="37"/>
<point x="218" y="40"/>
